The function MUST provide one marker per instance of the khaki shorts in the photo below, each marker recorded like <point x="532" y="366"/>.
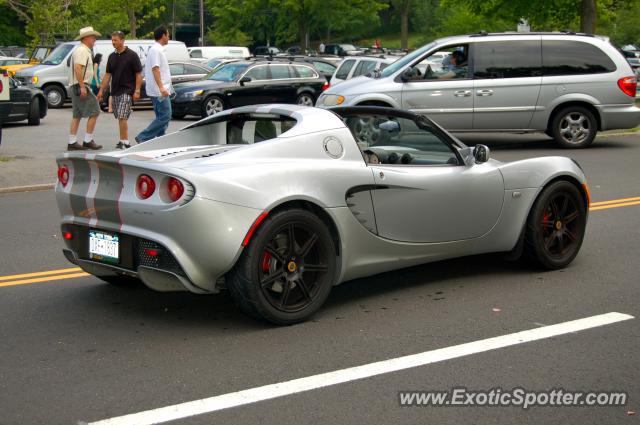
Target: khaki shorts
<point x="85" y="107"/>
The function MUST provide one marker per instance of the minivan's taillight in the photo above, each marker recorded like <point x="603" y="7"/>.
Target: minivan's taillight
<point x="145" y="186"/>
<point x="326" y="86"/>
<point x="63" y="175"/>
<point x="628" y="85"/>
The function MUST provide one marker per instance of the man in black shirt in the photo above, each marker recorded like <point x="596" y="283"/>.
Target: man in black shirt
<point x="124" y="70"/>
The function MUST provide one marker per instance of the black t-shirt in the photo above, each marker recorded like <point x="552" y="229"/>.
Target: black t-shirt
<point x="123" y="68"/>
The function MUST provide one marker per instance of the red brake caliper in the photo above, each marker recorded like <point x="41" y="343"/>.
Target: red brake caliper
<point x="266" y="259"/>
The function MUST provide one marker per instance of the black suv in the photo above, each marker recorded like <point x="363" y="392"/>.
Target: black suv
<point x="248" y="83"/>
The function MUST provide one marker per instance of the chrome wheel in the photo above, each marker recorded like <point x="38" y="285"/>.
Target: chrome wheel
<point x="213" y="105"/>
<point x="574" y="127"/>
<point x="305" y="100"/>
<point x="55" y="97"/>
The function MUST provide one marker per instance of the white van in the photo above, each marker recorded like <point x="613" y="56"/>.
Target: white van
<point x="204" y="53"/>
<point x="52" y="75"/>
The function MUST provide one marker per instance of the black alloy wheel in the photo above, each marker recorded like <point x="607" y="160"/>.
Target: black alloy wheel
<point x="287" y="271"/>
<point x="556" y="226"/>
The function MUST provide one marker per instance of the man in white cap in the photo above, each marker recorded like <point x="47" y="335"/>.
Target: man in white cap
<point x="85" y="104"/>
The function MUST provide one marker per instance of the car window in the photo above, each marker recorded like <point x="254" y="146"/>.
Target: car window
<point x="305" y="71"/>
<point x="399" y="141"/>
<point x="279" y="72"/>
<point x="248" y="130"/>
<point x="196" y="53"/>
<point x="324" y="67"/>
<point x="40" y="53"/>
<point x="228" y="72"/>
<point x="58" y="54"/>
<point x="192" y="69"/>
<point x="257" y="73"/>
<point x="507" y="59"/>
<point x="455" y="65"/>
<point x="363" y="68"/>
<point x="573" y="58"/>
<point x="344" y="69"/>
<point x="176" y="69"/>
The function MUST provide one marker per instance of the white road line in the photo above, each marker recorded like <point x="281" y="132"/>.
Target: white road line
<point x="253" y="395"/>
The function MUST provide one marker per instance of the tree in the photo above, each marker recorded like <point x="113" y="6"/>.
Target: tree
<point x="44" y="18"/>
<point x="403" y="7"/>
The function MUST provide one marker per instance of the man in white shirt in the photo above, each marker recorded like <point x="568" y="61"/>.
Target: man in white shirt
<point x="158" y="80"/>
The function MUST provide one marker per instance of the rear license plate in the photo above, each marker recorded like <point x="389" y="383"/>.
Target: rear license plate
<point x="104" y="247"/>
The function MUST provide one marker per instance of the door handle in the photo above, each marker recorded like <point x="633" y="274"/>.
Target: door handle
<point x="462" y="93"/>
<point x="485" y="92"/>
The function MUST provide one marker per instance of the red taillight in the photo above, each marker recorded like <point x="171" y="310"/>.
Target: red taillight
<point x="67" y="235"/>
<point x="145" y="186"/>
<point x="628" y="85"/>
<point x="63" y="175"/>
<point x="175" y="189"/>
<point x="325" y="86"/>
<point x="151" y="252"/>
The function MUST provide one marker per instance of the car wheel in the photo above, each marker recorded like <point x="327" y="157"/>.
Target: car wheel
<point x="286" y="272"/>
<point x="305" y="99"/>
<point x="574" y="127"/>
<point x="556" y="226"/>
<point x="212" y="105"/>
<point x="55" y="96"/>
<point x="34" y="112"/>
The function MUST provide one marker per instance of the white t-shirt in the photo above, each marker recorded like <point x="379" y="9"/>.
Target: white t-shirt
<point x="156" y="57"/>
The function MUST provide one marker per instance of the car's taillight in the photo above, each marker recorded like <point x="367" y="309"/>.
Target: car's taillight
<point x="145" y="186"/>
<point x="175" y="189"/>
<point x="63" y="175"/>
<point x="628" y="85"/>
<point x="325" y="86"/>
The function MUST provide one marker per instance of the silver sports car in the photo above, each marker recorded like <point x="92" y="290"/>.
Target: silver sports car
<point x="278" y="203"/>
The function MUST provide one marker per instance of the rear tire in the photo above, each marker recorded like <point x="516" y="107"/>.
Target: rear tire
<point x="555" y="226"/>
<point x="286" y="272"/>
<point x="212" y="105"/>
<point x="305" y="99"/>
<point x="34" y="112"/>
<point x="574" y="127"/>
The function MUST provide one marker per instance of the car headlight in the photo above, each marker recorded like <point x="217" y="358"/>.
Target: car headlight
<point x="332" y="100"/>
<point x="193" y="93"/>
<point x="34" y="80"/>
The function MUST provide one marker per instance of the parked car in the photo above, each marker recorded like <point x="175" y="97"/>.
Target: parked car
<point x="206" y="53"/>
<point x="360" y="65"/>
<point x="38" y="54"/>
<point x="13" y="51"/>
<point x="342" y="49"/>
<point x="7" y="60"/>
<point x="566" y="85"/>
<point x="23" y="103"/>
<point x="267" y="51"/>
<point x="52" y="75"/>
<point x="218" y="62"/>
<point x="181" y="72"/>
<point x="633" y="57"/>
<point x="248" y="83"/>
<point x="324" y="67"/>
<point x="279" y="203"/>
<point x="297" y="51"/>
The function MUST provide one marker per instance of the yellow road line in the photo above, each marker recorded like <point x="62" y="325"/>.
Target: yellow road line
<point x="614" y="201"/>
<point x="622" y="204"/>
<point x="49" y="272"/>
<point x="43" y="279"/>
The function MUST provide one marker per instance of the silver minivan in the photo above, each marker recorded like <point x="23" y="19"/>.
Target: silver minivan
<point x="52" y="75"/>
<point x="566" y="85"/>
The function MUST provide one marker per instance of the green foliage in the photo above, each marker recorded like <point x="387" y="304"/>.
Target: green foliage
<point x="12" y="30"/>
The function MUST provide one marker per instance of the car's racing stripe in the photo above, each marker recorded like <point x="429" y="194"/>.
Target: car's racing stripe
<point x="91" y="193"/>
<point x="108" y="192"/>
<point x="80" y="186"/>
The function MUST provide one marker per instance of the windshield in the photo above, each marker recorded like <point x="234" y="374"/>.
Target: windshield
<point x="229" y="72"/>
<point x="402" y="62"/>
<point x="59" y="53"/>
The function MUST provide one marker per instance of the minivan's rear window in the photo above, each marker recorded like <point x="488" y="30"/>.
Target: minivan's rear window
<point x="507" y="59"/>
<point x="574" y="58"/>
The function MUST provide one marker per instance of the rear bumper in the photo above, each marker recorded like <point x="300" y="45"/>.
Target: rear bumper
<point x="614" y="117"/>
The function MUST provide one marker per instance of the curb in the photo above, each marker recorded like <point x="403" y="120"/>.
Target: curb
<point x="30" y="188"/>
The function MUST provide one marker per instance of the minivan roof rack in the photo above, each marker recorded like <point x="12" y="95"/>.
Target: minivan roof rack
<point x="563" y="32"/>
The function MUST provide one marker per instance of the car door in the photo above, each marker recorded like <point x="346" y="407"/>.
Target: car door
<point x="507" y="81"/>
<point x="253" y="92"/>
<point x="424" y="192"/>
<point x="176" y="69"/>
<point x="442" y="94"/>
<point x="283" y="87"/>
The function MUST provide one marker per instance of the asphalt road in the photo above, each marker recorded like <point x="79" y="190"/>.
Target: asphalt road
<point x="77" y="349"/>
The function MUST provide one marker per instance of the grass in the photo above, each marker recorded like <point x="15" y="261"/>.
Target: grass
<point x="6" y="158"/>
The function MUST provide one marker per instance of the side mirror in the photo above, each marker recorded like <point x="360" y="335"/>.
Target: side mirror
<point x="481" y="154"/>
<point x="244" y="79"/>
<point x="390" y="126"/>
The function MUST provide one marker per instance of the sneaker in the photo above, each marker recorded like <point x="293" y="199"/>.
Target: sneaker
<point x="75" y="147"/>
<point x="121" y="145"/>
<point x="91" y="145"/>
